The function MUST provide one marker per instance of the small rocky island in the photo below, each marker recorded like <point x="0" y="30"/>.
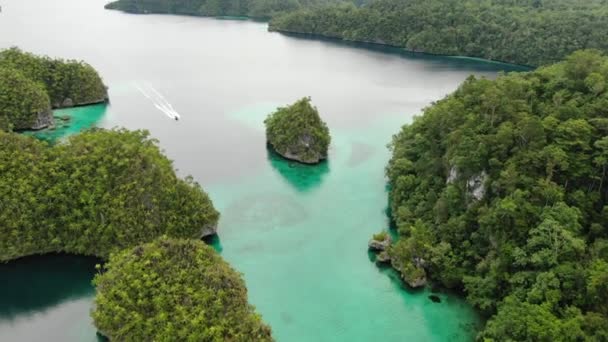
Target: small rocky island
<point x="297" y="133"/>
<point x="379" y="244"/>
<point x="32" y="85"/>
<point x="413" y="274"/>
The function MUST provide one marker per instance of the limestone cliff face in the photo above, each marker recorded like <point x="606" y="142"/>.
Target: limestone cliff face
<point x="208" y="230"/>
<point x="68" y="102"/>
<point x="302" y="151"/>
<point x="43" y="120"/>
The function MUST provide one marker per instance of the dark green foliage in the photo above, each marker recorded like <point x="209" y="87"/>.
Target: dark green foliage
<point x="174" y="290"/>
<point x="21" y="100"/>
<point x="501" y="189"/>
<point x="63" y="80"/>
<point x="528" y="32"/>
<point x="101" y="191"/>
<point x="297" y="132"/>
<point x="262" y="9"/>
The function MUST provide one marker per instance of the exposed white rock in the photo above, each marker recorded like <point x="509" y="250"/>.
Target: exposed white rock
<point x="476" y="185"/>
<point x="452" y="176"/>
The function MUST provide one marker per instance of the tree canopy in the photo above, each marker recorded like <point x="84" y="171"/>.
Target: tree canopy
<point x="174" y="289"/>
<point x="99" y="192"/>
<point x="22" y="101"/>
<point x="297" y="132"/>
<point x="527" y="32"/>
<point x="500" y="190"/>
<point x="262" y="9"/>
<point x="67" y="83"/>
<point x="30" y="85"/>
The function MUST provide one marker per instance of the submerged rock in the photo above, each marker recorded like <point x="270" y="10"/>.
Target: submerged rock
<point x="298" y="133"/>
<point x="435" y="299"/>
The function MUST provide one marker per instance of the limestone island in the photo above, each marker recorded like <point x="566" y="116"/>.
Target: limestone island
<point x="174" y="290"/>
<point x="33" y="85"/>
<point x="297" y="133"/>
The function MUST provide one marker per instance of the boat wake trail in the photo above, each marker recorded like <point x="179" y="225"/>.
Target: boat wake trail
<point x="158" y="100"/>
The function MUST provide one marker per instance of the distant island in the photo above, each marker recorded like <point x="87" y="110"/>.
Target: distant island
<point x="33" y="85"/>
<point x="297" y="133"/>
<point x="526" y="32"/>
<point x="260" y="9"/>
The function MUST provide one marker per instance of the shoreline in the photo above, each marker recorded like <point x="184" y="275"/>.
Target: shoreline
<point x="318" y="36"/>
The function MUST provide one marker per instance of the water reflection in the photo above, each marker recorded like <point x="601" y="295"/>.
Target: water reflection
<point x="300" y="176"/>
<point x="35" y="283"/>
<point x="438" y="61"/>
<point x="47" y="298"/>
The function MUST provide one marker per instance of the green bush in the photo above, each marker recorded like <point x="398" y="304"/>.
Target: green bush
<point x="380" y="236"/>
<point x="174" y="290"/>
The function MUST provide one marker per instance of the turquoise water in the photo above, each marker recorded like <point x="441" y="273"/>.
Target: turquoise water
<point x="80" y="118"/>
<point x="302" y="232"/>
<point x="297" y="233"/>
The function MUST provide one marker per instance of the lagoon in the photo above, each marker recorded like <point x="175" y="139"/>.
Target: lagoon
<point x="297" y="233"/>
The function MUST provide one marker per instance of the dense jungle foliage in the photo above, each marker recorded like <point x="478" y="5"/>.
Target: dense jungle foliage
<point x="67" y="83"/>
<point x="297" y="132"/>
<point x="21" y="100"/>
<point x="527" y="32"/>
<point x="501" y="190"/>
<point x="174" y="290"/>
<point x="99" y="192"/>
<point x="262" y="9"/>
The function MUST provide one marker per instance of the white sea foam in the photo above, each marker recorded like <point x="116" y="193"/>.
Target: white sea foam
<point x="158" y="100"/>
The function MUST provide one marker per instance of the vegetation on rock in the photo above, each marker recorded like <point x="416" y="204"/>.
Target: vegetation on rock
<point x="262" y="9"/>
<point x="383" y="235"/>
<point x="68" y="83"/>
<point x="530" y="248"/>
<point x="298" y="133"/>
<point x="23" y="103"/>
<point x="527" y="32"/>
<point x="173" y="289"/>
<point x="101" y="191"/>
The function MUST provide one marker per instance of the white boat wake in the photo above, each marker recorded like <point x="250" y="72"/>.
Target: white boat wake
<point x="158" y="100"/>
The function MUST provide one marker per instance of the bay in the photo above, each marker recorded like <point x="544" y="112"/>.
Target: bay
<point x="297" y="233"/>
